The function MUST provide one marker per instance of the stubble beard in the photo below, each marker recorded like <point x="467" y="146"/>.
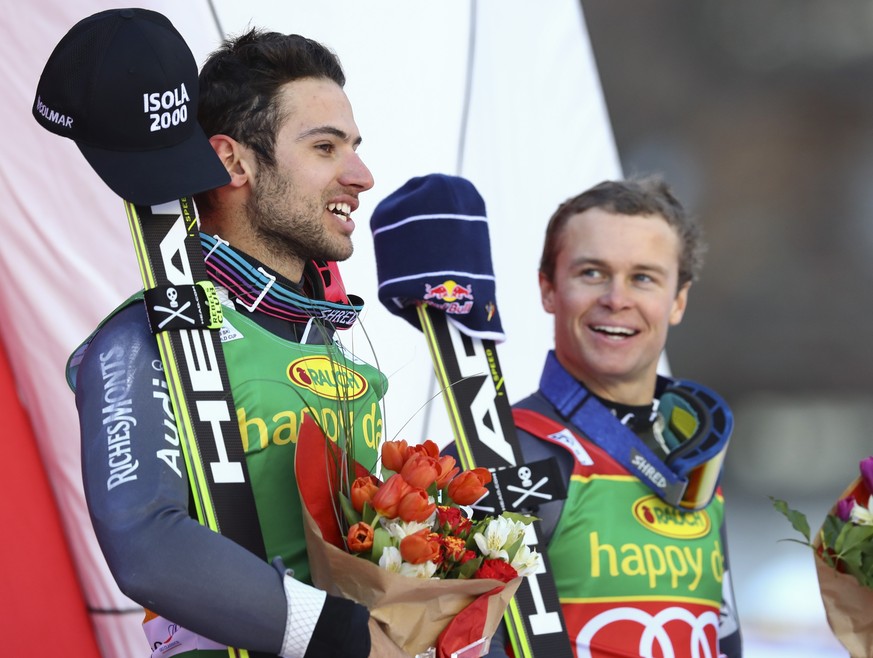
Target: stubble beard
<point x="290" y="226"/>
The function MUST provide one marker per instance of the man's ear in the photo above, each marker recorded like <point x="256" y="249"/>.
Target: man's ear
<point x="679" y="304"/>
<point x="547" y="293"/>
<point x="234" y="156"/>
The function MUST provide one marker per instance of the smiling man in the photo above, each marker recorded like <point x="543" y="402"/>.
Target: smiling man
<point x="614" y="288"/>
<point x="638" y="548"/>
<point x="275" y="112"/>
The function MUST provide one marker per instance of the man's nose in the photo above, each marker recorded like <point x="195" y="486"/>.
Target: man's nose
<point x="357" y="174"/>
<point x="616" y="295"/>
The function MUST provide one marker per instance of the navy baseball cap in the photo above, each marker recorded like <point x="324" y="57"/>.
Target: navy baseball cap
<point x="122" y="84"/>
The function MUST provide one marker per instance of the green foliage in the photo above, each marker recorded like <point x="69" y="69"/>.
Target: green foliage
<point x="351" y="516"/>
<point x="797" y="519"/>
<point x="515" y="516"/>
<point x="381" y="540"/>
<point x="854" y="549"/>
<point x="369" y="515"/>
<point x="845" y="546"/>
<point x="470" y="567"/>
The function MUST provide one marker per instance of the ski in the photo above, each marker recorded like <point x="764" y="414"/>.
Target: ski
<point x="185" y="314"/>
<point x="474" y="392"/>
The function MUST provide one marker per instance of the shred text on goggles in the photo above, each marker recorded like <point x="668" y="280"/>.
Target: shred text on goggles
<point x="694" y="426"/>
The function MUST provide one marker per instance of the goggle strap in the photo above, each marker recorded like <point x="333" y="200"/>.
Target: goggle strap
<point x="579" y="407"/>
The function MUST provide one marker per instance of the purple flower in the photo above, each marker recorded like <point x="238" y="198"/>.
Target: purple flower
<point x="844" y="508"/>
<point x="867" y="473"/>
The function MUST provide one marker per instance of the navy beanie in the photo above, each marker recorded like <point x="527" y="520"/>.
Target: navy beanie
<point x="432" y="246"/>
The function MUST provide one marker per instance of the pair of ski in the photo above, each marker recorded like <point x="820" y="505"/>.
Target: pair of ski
<point x="469" y="374"/>
<point x="185" y="315"/>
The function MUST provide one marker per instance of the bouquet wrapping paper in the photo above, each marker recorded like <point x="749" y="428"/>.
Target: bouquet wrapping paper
<point x="848" y="604"/>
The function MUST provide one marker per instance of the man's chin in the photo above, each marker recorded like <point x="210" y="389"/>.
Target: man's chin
<point x="345" y="254"/>
<point x="338" y="253"/>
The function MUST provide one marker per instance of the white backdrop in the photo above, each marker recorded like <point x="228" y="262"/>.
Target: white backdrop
<point x="537" y="132"/>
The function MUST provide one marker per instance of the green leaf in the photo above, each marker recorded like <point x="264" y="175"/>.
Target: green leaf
<point x="352" y="516"/>
<point x="471" y="541"/>
<point x="470" y="567"/>
<point x="851" y="548"/>
<point x="523" y="518"/>
<point x="381" y="540"/>
<point x="866" y="566"/>
<point x="855" y="538"/>
<point x="797" y="519"/>
<point x="839" y="537"/>
<point x="513" y="549"/>
<point x="830" y="530"/>
<point x="851" y="545"/>
<point x="368" y="514"/>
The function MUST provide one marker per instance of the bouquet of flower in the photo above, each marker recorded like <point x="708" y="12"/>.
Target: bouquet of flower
<point x="843" y="552"/>
<point x="430" y="575"/>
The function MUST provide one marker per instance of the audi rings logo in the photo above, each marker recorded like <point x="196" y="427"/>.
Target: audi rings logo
<point x="654" y="636"/>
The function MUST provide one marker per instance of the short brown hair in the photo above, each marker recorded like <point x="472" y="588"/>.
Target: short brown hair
<point x="637" y="196"/>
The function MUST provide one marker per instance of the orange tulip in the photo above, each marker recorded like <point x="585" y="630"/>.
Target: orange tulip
<point x="360" y="537"/>
<point x="469" y="486"/>
<point x="421" y="547"/>
<point x="447" y="470"/>
<point x="420" y="470"/>
<point x="394" y="455"/>
<point x="363" y="490"/>
<point x="428" y="448"/>
<point x="386" y="500"/>
<point x="415" y="506"/>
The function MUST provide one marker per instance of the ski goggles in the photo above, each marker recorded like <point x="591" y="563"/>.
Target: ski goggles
<point x="694" y="425"/>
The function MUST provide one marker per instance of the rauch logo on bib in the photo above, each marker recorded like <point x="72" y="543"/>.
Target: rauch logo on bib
<point x="327" y="378"/>
<point x="664" y="519"/>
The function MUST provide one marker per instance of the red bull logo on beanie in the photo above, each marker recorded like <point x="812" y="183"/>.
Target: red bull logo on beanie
<point x="448" y="291"/>
<point x="664" y="519"/>
<point x="449" y="296"/>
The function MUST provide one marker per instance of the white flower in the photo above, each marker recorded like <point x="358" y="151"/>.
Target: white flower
<point x="492" y="544"/>
<point x="391" y="560"/>
<point x="526" y="561"/>
<point x="423" y="571"/>
<point x="518" y="531"/>
<point x="862" y="515"/>
<point x="399" y="529"/>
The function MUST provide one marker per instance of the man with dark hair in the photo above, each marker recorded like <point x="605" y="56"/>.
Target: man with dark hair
<point x="638" y="548"/>
<point x="274" y="110"/>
